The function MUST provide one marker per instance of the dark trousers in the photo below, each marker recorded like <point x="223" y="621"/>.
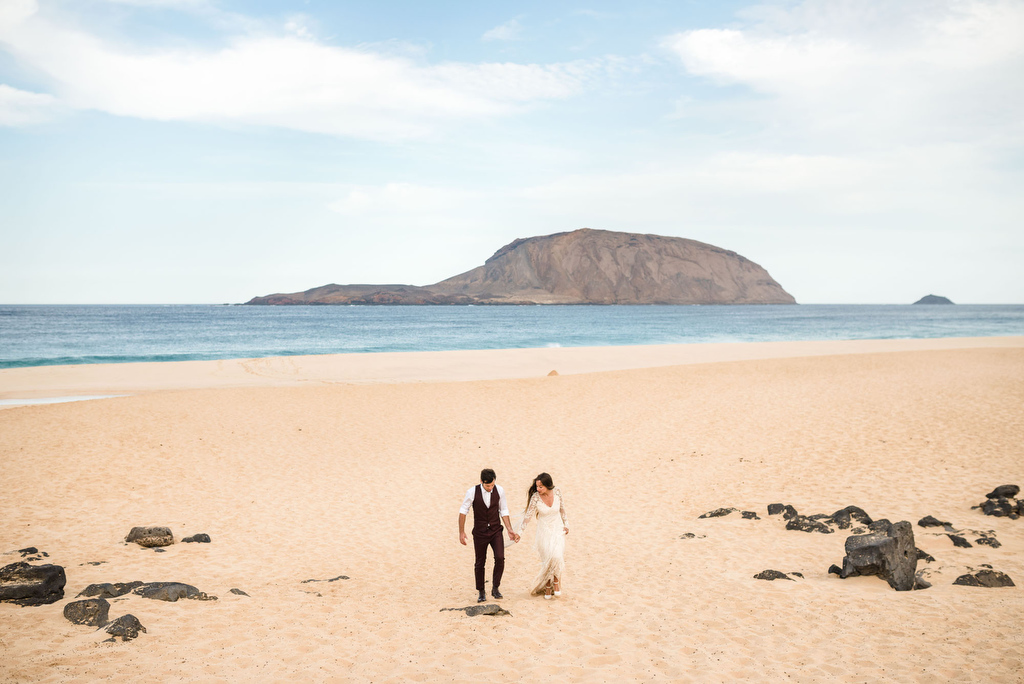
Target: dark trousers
<point x="496" y="540"/>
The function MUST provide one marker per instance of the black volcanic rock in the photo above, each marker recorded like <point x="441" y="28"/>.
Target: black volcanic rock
<point x="473" y="611"/>
<point x="844" y="516"/>
<point x="171" y="591"/>
<point x="1009" y="491"/>
<point x="888" y="551"/>
<point x="127" y="627"/>
<point x="933" y="299"/>
<point x="1001" y="508"/>
<point x="959" y="541"/>
<point x="109" y="590"/>
<point x="985" y="578"/>
<point x="92" y="612"/>
<point x="718" y="513"/>
<point x="200" y="538"/>
<point x="580" y="267"/>
<point x="150" y="536"/>
<point x="932" y="521"/>
<point x="802" y="523"/>
<point x="786" y="510"/>
<point x="771" y="575"/>
<point x="32" y="585"/>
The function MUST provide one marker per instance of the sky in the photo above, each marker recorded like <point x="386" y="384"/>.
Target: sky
<point x="209" y="151"/>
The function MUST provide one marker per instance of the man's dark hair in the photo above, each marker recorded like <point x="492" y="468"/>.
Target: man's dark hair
<point x="487" y="476"/>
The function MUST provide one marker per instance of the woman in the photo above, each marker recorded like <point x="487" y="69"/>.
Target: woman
<point x="545" y="501"/>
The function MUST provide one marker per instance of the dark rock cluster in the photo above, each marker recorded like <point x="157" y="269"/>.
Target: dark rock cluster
<point x="822" y="523"/>
<point x="1002" y="502"/>
<point x="959" y="537"/>
<point x="33" y="585"/>
<point x="888" y="550"/>
<point x="30" y="554"/>
<point x="988" y="541"/>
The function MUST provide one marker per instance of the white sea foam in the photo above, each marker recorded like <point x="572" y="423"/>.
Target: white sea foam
<point x="56" y="400"/>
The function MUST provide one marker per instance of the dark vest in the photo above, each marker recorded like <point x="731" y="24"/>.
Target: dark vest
<point x="486" y="519"/>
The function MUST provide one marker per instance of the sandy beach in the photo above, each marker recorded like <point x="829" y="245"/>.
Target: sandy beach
<point x="306" y="468"/>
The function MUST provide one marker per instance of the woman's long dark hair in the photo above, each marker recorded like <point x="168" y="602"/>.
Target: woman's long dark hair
<point x="545" y="480"/>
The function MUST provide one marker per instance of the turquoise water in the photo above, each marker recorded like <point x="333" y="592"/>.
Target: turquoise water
<point x="48" y="335"/>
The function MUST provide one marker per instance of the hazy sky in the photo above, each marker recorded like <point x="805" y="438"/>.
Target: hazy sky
<point x="212" y="150"/>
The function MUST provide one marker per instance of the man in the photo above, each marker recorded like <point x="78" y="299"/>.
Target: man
<point x="490" y="509"/>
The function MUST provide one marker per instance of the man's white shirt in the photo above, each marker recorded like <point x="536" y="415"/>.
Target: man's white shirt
<point x="467" y="503"/>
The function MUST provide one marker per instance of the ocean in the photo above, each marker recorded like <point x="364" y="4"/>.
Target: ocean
<point x="52" y="335"/>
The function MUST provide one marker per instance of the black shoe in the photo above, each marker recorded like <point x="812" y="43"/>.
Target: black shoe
<point x="481" y="598"/>
<point x="496" y="594"/>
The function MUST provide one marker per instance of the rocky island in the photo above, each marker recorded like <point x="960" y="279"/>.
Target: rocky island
<point x="580" y="267"/>
<point x="933" y="299"/>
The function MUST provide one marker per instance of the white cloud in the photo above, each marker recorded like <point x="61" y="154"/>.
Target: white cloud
<point x="912" y="71"/>
<point x="181" y="4"/>
<point x="510" y="30"/>
<point x="299" y="26"/>
<point x="22" y="108"/>
<point x="289" y="81"/>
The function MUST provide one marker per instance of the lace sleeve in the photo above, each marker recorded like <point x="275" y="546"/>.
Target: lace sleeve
<point x="561" y="508"/>
<point x="531" y="510"/>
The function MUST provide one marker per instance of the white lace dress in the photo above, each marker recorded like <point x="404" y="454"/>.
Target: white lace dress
<point x="550" y="539"/>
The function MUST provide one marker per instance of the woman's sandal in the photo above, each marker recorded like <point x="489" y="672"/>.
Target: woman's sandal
<point x="547" y="596"/>
<point x="558" y="588"/>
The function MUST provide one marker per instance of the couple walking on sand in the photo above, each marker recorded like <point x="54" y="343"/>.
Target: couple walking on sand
<point x="490" y="510"/>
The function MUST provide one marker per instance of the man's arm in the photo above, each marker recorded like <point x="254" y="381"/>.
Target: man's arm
<point x="503" y="512"/>
<point x="462" y="528"/>
<point x="508" y="525"/>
